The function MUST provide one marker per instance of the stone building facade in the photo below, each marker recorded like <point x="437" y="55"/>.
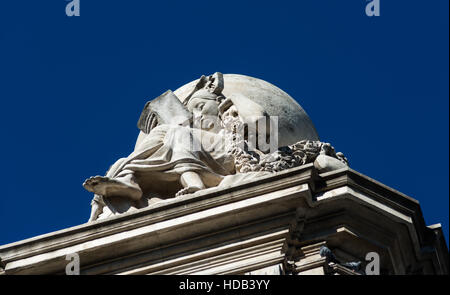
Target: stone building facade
<point x="233" y="206"/>
<point x="279" y="224"/>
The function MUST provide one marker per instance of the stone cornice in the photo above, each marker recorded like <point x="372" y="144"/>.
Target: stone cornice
<point x="267" y="204"/>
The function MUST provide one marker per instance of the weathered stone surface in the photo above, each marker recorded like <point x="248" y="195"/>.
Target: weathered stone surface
<point x="283" y="218"/>
<point x="203" y="137"/>
<point x="200" y="195"/>
<point x="294" y="123"/>
<point x="326" y="163"/>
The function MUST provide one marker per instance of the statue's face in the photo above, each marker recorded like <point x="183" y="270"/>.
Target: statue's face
<point x="203" y="106"/>
<point x="206" y="111"/>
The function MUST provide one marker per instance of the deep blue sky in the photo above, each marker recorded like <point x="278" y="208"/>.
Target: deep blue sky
<point x="71" y="89"/>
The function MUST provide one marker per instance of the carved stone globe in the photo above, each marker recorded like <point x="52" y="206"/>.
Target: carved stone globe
<point x="293" y="122"/>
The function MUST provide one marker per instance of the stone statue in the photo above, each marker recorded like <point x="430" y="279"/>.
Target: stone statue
<point x="200" y="141"/>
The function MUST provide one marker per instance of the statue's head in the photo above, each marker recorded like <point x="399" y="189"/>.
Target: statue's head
<point x="203" y="102"/>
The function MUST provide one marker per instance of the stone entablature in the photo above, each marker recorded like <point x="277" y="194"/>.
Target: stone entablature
<point x="272" y="225"/>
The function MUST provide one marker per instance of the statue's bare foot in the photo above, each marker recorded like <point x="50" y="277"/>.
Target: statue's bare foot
<point x="100" y="185"/>
<point x="106" y="186"/>
<point x="187" y="190"/>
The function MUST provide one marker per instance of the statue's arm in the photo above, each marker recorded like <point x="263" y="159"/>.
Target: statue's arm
<point x="139" y="140"/>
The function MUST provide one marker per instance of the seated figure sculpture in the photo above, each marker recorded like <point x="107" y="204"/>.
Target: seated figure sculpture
<point x="210" y="145"/>
<point x="164" y="156"/>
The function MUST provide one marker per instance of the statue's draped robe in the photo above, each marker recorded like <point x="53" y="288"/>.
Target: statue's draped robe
<point x="163" y="155"/>
<point x="168" y="151"/>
